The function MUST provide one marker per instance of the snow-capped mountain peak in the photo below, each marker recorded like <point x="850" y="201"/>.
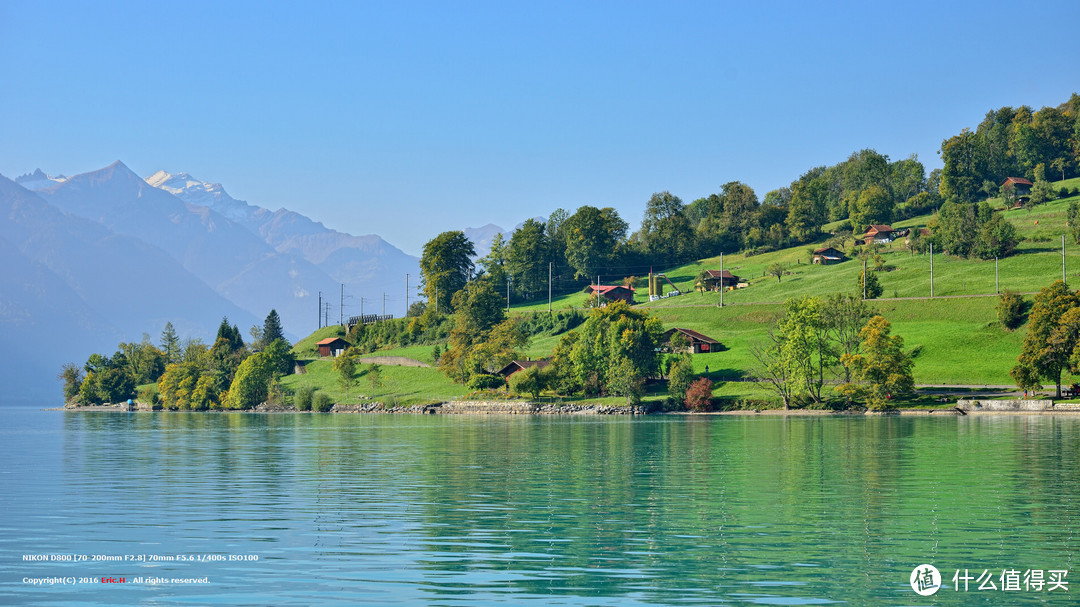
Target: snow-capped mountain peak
<point x="195" y="191"/>
<point x="39" y="180"/>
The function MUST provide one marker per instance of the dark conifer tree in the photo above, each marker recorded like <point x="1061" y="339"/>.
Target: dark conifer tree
<point x="272" y="328"/>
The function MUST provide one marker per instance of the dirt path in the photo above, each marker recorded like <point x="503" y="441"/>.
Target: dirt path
<point x="394" y="361"/>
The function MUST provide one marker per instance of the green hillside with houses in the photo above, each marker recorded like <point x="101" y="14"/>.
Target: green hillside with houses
<point x="858" y="281"/>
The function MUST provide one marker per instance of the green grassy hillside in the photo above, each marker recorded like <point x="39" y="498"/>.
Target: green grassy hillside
<point x="954" y="338"/>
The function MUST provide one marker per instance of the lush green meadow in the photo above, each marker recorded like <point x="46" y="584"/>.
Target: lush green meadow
<point x="954" y="337"/>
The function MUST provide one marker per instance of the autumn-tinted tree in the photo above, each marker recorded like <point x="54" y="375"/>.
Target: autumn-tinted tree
<point x="881" y="370"/>
<point x="445" y="267"/>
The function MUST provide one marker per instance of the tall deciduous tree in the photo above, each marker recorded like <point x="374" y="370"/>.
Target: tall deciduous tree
<point x="1047" y="347"/>
<point x="528" y="259"/>
<point x="962" y="175"/>
<point x="665" y="229"/>
<point x="445" y="267"/>
<point x="592" y="239"/>
<point x="881" y="370"/>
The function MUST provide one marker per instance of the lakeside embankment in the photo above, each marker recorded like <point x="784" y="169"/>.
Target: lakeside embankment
<point x="962" y="407"/>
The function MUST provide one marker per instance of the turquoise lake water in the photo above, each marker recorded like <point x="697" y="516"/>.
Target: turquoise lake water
<point x="509" y="510"/>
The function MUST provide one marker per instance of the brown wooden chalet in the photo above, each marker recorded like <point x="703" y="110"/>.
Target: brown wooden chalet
<point x="613" y="292"/>
<point x="715" y="279"/>
<point x="520" y="365"/>
<point x="828" y="255"/>
<point x="1021" y="188"/>
<point x="698" y="343"/>
<point x="332" y="346"/>
<point x="879" y="233"/>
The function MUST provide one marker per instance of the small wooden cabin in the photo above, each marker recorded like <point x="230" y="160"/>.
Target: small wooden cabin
<point x="879" y="233"/>
<point x="613" y="292"/>
<point x="332" y="346"/>
<point x="698" y="343"/>
<point x="828" y="255"/>
<point x="716" y="280"/>
<point x="520" y="365"/>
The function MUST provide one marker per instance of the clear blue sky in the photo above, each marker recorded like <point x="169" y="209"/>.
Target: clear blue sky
<point x="410" y="118"/>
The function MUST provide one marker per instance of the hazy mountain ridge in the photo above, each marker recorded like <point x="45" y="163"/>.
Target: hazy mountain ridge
<point x="74" y="287"/>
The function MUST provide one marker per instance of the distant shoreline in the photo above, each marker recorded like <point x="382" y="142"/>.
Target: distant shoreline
<point x="524" y="408"/>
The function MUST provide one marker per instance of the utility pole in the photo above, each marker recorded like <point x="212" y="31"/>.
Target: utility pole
<point x="722" y="281"/>
<point x="507" y="293"/>
<point x="320" y="309"/>
<point x="384" y="303"/>
<point x="1063" y="281"/>
<point x="361" y="310"/>
<point x="931" y="269"/>
<point x="341" y="306"/>
<point x="550" y="263"/>
<point x="864" y="279"/>
<point x="406" y="296"/>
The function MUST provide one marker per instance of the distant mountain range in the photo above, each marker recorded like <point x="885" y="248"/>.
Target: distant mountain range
<point x="101" y="257"/>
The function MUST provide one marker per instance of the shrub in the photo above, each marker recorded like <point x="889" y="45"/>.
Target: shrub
<point x="532" y="381"/>
<point x="1010" y="309"/>
<point x="699" y="395"/>
<point x="303" y="398"/>
<point x="321" y="403"/>
<point x="487" y="381"/>
<point x="680" y="379"/>
<point x="149" y="395"/>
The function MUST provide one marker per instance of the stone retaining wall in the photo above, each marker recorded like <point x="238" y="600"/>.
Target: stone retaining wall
<point x="1015" y="405"/>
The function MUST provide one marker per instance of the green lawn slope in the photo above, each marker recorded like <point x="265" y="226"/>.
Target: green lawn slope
<point x="954" y="337"/>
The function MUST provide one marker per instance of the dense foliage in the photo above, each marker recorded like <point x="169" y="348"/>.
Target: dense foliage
<point x="1012" y="142"/>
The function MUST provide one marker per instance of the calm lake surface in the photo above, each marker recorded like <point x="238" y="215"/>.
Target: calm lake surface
<point x="445" y="510"/>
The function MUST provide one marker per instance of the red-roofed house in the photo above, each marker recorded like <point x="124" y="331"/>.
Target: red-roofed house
<point x="613" y="292"/>
<point x="332" y="346"/>
<point x="698" y="343"/>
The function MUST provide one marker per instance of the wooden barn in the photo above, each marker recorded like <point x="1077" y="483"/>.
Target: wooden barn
<point x="613" y="292"/>
<point x="879" y="233"/>
<point x="715" y="279"/>
<point x="1021" y="188"/>
<point x="332" y="346"/>
<point x="828" y="255"/>
<point x="520" y="365"/>
<point x="698" y="343"/>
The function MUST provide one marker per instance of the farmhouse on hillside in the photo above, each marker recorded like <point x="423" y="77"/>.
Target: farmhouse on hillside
<point x="332" y="346"/>
<point x="715" y="279"/>
<point x="698" y="343"/>
<point x="1021" y="188"/>
<point x="879" y="233"/>
<point x="828" y="255"/>
<point x="520" y="365"/>
<point x="613" y="292"/>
